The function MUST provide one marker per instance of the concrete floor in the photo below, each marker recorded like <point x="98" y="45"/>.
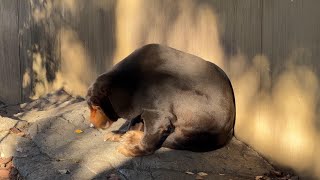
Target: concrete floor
<point x="50" y="148"/>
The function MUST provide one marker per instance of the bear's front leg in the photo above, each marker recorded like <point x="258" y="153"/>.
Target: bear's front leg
<point x="113" y="136"/>
<point x="134" y="124"/>
<point x="131" y="144"/>
<point x="157" y="127"/>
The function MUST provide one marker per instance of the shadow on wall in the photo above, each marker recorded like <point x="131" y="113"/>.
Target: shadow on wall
<point x="276" y="112"/>
<point x="279" y="117"/>
<point x="186" y="25"/>
<point x="72" y="42"/>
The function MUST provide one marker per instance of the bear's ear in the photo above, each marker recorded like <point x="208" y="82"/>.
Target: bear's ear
<point x="89" y="92"/>
<point x="100" y="89"/>
<point x="93" y="101"/>
<point x="104" y="91"/>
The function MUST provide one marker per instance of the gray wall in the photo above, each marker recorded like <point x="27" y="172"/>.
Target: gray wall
<point x="269" y="48"/>
<point x="10" y="77"/>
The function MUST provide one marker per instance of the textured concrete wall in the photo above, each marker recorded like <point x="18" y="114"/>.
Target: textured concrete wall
<point x="269" y="48"/>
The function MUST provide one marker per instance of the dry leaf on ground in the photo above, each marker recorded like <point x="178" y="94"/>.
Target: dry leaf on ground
<point x="78" y="131"/>
<point x="17" y="131"/>
<point x="64" y="171"/>
<point x="202" y="174"/>
<point x="5" y="160"/>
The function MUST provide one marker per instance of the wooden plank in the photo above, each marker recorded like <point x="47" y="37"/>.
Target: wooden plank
<point x="10" y="86"/>
<point x="239" y="26"/>
<point x="103" y="36"/>
<point x="291" y="41"/>
<point x="25" y="23"/>
<point x="291" y="28"/>
<point x="93" y="24"/>
<point x="45" y="46"/>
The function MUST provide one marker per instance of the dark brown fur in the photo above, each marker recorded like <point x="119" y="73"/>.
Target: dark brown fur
<point x="183" y="101"/>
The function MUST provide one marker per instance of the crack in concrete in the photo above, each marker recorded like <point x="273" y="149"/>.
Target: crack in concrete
<point x="5" y="136"/>
<point x="65" y="119"/>
<point x="90" y="169"/>
<point x="62" y="116"/>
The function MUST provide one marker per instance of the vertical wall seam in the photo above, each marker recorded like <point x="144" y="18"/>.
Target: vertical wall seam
<point x="261" y="26"/>
<point x="59" y="36"/>
<point x="30" y="62"/>
<point x="261" y="50"/>
<point x="19" y="52"/>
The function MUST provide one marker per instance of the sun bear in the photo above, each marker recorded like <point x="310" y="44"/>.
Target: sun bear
<point x="181" y="100"/>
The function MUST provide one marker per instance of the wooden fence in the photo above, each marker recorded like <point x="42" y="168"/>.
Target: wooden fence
<point x="269" y="48"/>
